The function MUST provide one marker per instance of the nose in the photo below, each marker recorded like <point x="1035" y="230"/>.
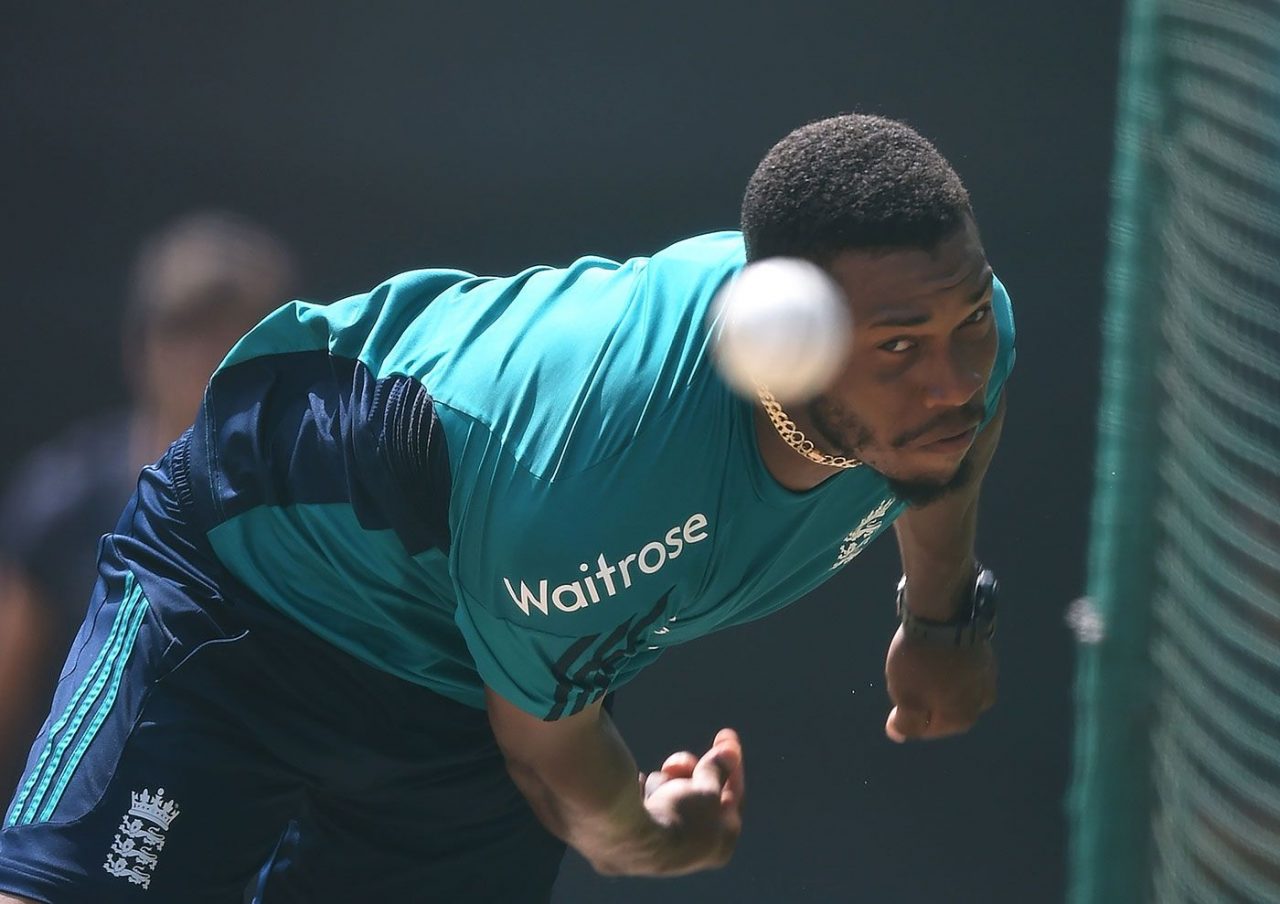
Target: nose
<point x="951" y="379"/>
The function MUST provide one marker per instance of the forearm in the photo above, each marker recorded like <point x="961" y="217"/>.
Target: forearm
<point x="593" y="801"/>
<point x="938" y="562"/>
<point x="583" y="784"/>
<point x="936" y="542"/>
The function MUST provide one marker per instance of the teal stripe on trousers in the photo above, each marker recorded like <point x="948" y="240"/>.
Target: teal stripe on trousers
<point x="100" y="716"/>
<point x="64" y="730"/>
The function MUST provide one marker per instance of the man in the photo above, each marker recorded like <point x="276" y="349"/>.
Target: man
<point x="415" y="537"/>
<point x="197" y="285"/>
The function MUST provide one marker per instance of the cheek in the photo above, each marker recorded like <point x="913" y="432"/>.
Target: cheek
<point x="892" y="404"/>
<point x="873" y="415"/>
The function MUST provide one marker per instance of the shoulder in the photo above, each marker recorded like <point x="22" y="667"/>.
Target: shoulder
<point x="365" y="327"/>
<point x="565" y="367"/>
<point x="701" y="257"/>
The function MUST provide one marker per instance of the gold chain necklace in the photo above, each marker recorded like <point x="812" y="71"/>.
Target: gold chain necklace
<point x="793" y="437"/>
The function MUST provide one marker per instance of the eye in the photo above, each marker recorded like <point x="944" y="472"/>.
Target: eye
<point x="898" y="346"/>
<point x="979" y="315"/>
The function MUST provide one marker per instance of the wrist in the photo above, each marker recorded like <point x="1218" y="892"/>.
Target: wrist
<point x="662" y="846"/>
<point x="973" y="621"/>
<point x="640" y="846"/>
<point x="683" y="846"/>
<point x="939" y="594"/>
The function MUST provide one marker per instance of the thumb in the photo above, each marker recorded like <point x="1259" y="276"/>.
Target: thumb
<point x="904" y="724"/>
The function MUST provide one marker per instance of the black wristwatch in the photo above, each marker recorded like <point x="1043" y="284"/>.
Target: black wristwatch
<point x="972" y="625"/>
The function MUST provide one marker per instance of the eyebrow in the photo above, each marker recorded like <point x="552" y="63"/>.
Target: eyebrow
<point x="988" y="283"/>
<point x="893" y="318"/>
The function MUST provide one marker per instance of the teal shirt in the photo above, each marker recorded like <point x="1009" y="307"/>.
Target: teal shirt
<point x="606" y="496"/>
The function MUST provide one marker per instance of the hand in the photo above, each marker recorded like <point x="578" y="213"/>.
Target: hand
<point x="937" y="691"/>
<point x="698" y="800"/>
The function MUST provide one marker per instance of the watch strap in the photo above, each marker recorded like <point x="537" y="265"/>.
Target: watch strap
<point x="976" y="622"/>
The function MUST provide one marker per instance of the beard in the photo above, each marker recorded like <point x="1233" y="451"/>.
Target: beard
<point x="849" y="436"/>
<point x="919" y="493"/>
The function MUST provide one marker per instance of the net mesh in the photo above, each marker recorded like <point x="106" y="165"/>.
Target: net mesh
<point x="1176" y="795"/>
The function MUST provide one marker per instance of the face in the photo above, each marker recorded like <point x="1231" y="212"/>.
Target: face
<point x="910" y="399"/>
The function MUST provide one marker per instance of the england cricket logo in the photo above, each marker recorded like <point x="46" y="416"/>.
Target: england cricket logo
<point x="857" y="539"/>
<point x="140" y="837"/>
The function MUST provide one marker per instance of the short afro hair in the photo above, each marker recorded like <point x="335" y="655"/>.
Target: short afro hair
<point x="847" y="183"/>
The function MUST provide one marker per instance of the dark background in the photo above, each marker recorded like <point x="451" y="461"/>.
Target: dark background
<point x="492" y="136"/>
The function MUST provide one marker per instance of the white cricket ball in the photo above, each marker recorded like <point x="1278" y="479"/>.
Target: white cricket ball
<point x="781" y="323"/>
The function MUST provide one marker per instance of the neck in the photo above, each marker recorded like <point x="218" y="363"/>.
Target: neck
<point x="787" y="466"/>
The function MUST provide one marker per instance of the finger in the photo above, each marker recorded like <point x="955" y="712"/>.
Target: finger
<point x="904" y="724"/>
<point x="680" y="765"/>
<point x="890" y="731"/>
<point x="735" y="788"/>
<point x="714" y="768"/>
<point x="655" y="780"/>
<point x="727" y="739"/>
<point x="727" y="736"/>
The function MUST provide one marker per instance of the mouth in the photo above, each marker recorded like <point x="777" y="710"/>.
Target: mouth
<point x="949" y="445"/>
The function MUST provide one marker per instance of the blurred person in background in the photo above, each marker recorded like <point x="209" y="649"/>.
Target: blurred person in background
<point x="196" y="287"/>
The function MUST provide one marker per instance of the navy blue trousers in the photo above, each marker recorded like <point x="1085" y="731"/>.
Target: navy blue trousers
<point x="193" y="725"/>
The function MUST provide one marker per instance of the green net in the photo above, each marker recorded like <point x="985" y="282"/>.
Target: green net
<point x="1176" y="793"/>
